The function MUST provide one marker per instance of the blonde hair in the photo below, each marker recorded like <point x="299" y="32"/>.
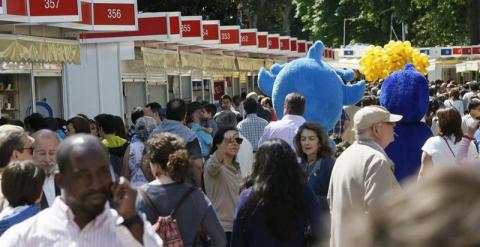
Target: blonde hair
<point x="444" y="210"/>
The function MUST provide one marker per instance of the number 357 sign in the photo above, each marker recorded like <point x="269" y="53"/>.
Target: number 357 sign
<point x="41" y="11"/>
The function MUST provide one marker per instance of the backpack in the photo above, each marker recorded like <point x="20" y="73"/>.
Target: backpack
<point x="166" y="226"/>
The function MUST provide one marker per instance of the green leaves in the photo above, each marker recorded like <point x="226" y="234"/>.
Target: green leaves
<point x="430" y="22"/>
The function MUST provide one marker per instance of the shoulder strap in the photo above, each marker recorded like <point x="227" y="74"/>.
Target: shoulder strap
<point x="182" y="199"/>
<point x="148" y="201"/>
<point x="448" y="145"/>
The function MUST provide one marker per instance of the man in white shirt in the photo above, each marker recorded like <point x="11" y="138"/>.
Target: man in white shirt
<point x="82" y="215"/>
<point x="287" y="127"/>
<point x="472" y="116"/>
<point x="45" y="155"/>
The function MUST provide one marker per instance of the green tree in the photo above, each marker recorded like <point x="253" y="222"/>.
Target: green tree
<point x="428" y="22"/>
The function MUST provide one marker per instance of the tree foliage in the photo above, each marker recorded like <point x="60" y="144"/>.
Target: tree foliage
<point x="428" y="22"/>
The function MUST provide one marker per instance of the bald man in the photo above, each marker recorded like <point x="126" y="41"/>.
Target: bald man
<point x="45" y="155"/>
<point x="83" y="214"/>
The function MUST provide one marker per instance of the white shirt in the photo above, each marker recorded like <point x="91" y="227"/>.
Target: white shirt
<point x="285" y="129"/>
<point x="441" y="154"/>
<point x="55" y="226"/>
<point x="245" y="157"/>
<point x="49" y="189"/>
<point x="467" y="120"/>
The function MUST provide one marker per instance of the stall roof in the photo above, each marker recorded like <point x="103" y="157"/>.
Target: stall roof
<point x="19" y="48"/>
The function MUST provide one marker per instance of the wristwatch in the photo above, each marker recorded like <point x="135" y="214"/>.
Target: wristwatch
<point x="132" y="221"/>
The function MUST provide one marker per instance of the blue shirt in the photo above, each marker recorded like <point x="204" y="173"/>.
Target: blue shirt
<point x="204" y="138"/>
<point x="17" y="217"/>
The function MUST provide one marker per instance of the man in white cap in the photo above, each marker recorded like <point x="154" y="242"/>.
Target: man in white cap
<point x="363" y="173"/>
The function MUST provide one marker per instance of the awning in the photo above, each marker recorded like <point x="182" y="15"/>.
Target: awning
<point x="268" y="63"/>
<point x="17" y="48"/>
<point x="345" y="63"/>
<point x="191" y="60"/>
<point x="160" y="59"/>
<point x="472" y="65"/>
<point x="461" y="67"/>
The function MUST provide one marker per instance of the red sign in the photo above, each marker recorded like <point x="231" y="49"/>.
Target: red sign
<point x="457" y="51"/>
<point x="114" y="14"/>
<point x="301" y="47"/>
<point x="174" y="24"/>
<point x="191" y="28"/>
<point x="218" y="89"/>
<point x="52" y="7"/>
<point x="16" y="7"/>
<point x="273" y="43"/>
<point x="147" y="26"/>
<point x="210" y="32"/>
<point x="249" y="39"/>
<point x="284" y="44"/>
<point x="466" y="51"/>
<point x="293" y="45"/>
<point x="327" y="53"/>
<point x="86" y="13"/>
<point x="262" y="41"/>
<point x="475" y="50"/>
<point x="230" y="36"/>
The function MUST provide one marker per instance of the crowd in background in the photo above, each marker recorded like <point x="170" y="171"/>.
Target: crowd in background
<point x="234" y="174"/>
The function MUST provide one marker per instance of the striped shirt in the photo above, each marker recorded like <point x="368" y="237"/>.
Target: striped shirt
<point x="55" y="226"/>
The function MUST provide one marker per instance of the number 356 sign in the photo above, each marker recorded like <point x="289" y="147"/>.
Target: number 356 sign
<point x="106" y="15"/>
<point x="111" y="14"/>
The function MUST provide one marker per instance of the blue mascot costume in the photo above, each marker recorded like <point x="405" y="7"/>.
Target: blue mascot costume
<point x="322" y="86"/>
<point x="405" y="92"/>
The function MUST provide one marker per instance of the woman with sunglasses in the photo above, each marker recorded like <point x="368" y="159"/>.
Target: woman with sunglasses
<point x="444" y="149"/>
<point x="222" y="176"/>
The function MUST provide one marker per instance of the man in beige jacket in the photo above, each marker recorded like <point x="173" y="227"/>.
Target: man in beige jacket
<point x="363" y="173"/>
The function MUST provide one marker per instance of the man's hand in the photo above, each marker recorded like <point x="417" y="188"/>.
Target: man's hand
<point x="124" y="197"/>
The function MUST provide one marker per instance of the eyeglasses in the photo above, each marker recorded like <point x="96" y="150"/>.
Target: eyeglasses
<point x="237" y="140"/>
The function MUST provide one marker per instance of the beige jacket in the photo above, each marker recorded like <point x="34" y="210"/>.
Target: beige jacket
<point x="361" y="176"/>
<point x="222" y="185"/>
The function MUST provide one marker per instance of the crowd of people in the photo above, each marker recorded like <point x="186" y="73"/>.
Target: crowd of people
<point x="233" y="174"/>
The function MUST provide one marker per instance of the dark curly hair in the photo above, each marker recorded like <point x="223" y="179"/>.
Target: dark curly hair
<point x="282" y="203"/>
<point x="323" y="151"/>
<point x="167" y="151"/>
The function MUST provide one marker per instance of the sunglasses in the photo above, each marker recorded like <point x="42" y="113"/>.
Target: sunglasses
<point x="238" y="140"/>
